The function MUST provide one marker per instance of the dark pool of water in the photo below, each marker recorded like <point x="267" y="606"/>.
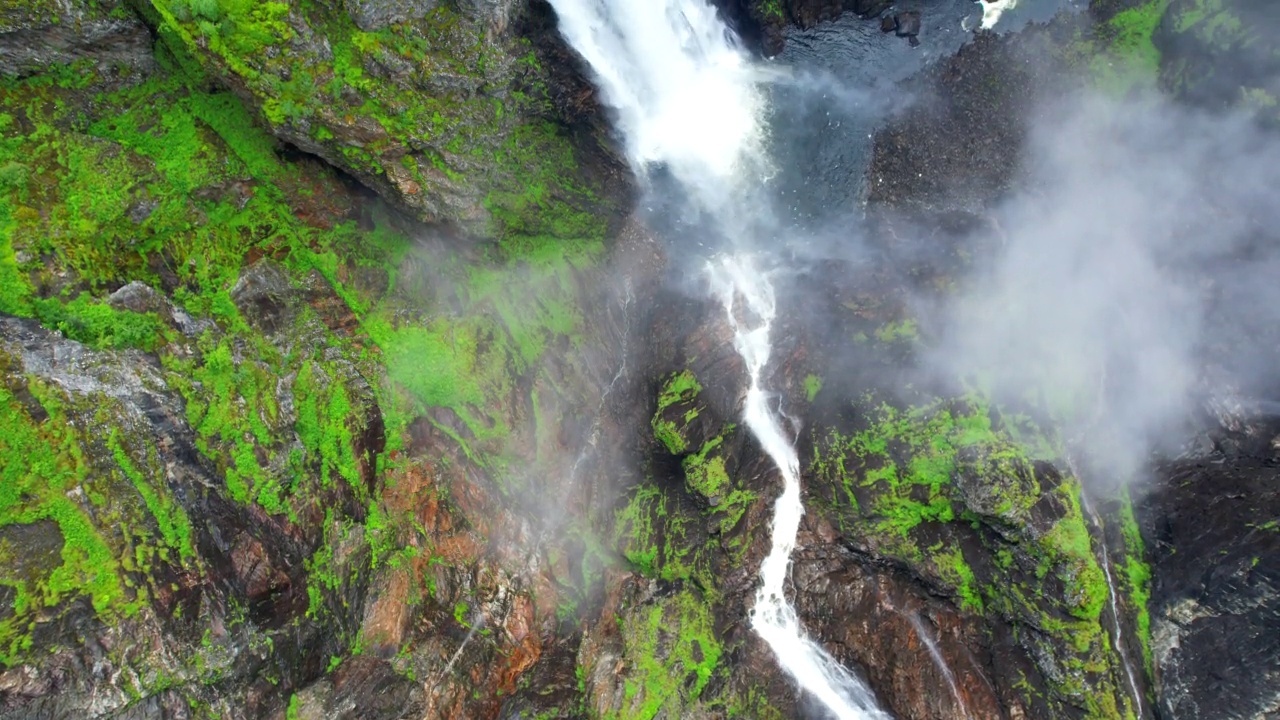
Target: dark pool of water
<point x="840" y="81"/>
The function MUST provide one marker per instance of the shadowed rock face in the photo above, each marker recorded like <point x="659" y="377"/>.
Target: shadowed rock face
<point x="1211" y="528"/>
<point x="36" y="36"/>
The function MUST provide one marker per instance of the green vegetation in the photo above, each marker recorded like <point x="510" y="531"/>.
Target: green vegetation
<point x="1137" y="577"/>
<point x="676" y="409"/>
<point x="483" y="126"/>
<point x="44" y="462"/>
<point x="902" y="331"/>
<point x="772" y="10"/>
<point x="168" y="183"/>
<point x="812" y="386"/>
<point x="1120" y="53"/>
<point x="949" y="489"/>
<point x="674" y="648"/>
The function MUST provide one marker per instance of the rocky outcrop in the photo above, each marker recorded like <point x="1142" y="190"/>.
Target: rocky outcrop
<point x="444" y="110"/>
<point x="37" y="36"/>
<point x="1211" y="528"/>
<point x="763" y="22"/>
<point x="153" y="574"/>
<point x="957" y="148"/>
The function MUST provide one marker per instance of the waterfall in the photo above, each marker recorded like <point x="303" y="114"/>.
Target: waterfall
<point x="774" y="618"/>
<point x="993" y="9"/>
<point x="1117" y="631"/>
<point x="686" y="98"/>
<point x="934" y="652"/>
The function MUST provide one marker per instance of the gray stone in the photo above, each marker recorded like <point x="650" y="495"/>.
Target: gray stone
<point x="34" y="36"/>
<point x="371" y="15"/>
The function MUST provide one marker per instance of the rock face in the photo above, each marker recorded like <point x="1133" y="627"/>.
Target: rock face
<point x="274" y="449"/>
<point x="374" y="15"/>
<point x="957" y="149"/>
<point x="1211" y="529"/>
<point x="444" y="111"/>
<point x="762" y="22"/>
<point x="37" y="35"/>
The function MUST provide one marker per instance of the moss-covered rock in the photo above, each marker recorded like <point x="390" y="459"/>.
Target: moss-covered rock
<point x="445" y="113"/>
<point x="1218" y="53"/>
<point x="950" y="492"/>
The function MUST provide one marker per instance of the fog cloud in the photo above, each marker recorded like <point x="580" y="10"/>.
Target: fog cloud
<point x="1134" y="276"/>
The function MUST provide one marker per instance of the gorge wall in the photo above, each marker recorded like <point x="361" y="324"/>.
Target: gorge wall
<point x="339" y="377"/>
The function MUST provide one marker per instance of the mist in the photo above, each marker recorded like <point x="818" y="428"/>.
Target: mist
<point x="1134" y="280"/>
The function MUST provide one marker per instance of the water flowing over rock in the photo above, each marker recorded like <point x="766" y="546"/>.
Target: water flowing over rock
<point x="524" y="359"/>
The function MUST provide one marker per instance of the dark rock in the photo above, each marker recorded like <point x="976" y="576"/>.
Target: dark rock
<point x="263" y="295"/>
<point x="907" y="24"/>
<point x="254" y="569"/>
<point x="35" y="36"/>
<point x="140" y="298"/>
<point x="1211" y="531"/>
<point x="888" y="23"/>
<point x="373" y="15"/>
<point x="956" y="150"/>
<point x="870" y="8"/>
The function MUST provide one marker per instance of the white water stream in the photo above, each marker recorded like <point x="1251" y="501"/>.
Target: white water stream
<point x="1117" y="632"/>
<point x="927" y="638"/>
<point x="686" y="97"/>
<point x="736" y="280"/>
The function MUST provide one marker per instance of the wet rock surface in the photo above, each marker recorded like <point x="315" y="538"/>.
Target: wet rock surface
<point x="425" y="476"/>
<point x="1211" y="528"/>
<point x="35" y="36"/>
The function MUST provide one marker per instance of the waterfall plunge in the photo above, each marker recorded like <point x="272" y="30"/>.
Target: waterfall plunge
<point x="687" y="97"/>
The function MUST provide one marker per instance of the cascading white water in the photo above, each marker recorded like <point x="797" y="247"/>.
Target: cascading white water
<point x="735" y="278"/>
<point x="686" y="97"/>
<point x="683" y="92"/>
<point x="993" y="9"/>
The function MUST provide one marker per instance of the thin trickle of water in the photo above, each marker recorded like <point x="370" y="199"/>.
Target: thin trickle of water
<point x="593" y="437"/>
<point x="1117" y="636"/>
<point x="686" y="98"/>
<point x="932" y="646"/>
<point x="476" y="626"/>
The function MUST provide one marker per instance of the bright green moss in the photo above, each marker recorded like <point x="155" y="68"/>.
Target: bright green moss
<point x="170" y="517"/>
<point x="44" y="464"/>
<point x="673" y="649"/>
<point x="669" y="421"/>
<point x="953" y="568"/>
<point x="324" y="425"/>
<point x="1121" y="54"/>
<point x="1137" y="576"/>
<point x="812" y="386"/>
<point x="680" y="387"/>
<point x="99" y="325"/>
